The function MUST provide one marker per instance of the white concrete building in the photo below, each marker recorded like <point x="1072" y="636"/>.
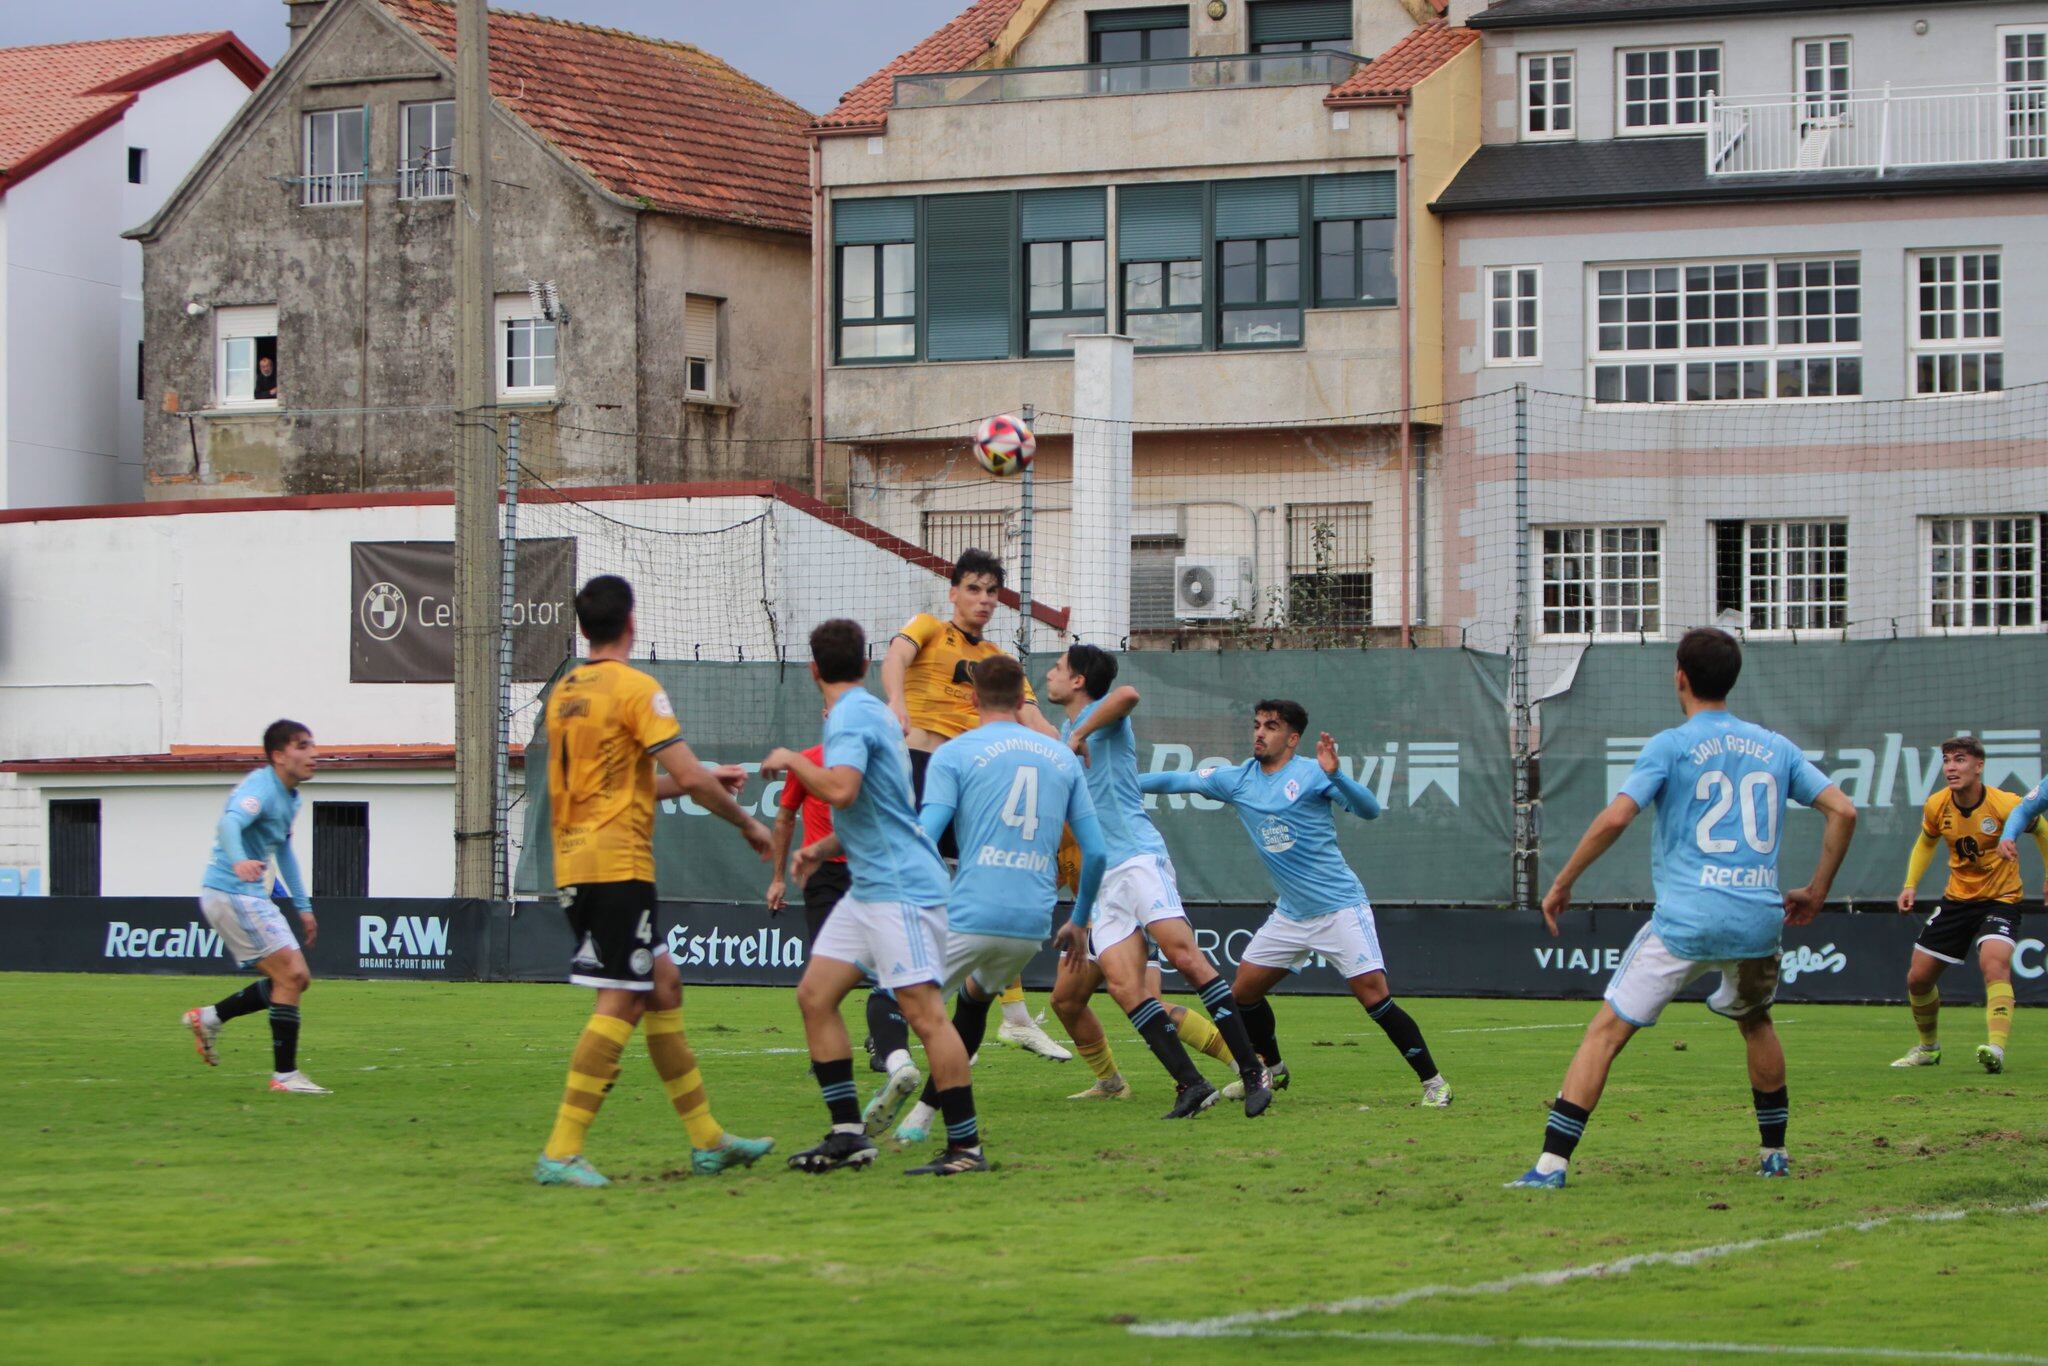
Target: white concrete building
<point x="92" y="138"/>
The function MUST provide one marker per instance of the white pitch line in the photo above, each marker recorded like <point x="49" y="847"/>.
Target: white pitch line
<point x="1225" y="1325"/>
<point x="1760" y="1349"/>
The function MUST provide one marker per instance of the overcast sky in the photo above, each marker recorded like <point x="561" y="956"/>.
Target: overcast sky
<point x="813" y="51"/>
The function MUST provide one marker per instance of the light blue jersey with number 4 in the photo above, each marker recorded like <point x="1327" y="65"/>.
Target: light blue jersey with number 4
<point x="1012" y="791"/>
<point x="1720" y="785"/>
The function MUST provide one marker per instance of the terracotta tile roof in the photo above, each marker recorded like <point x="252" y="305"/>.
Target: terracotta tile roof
<point x="956" y="47"/>
<point x="646" y="118"/>
<point x="1397" y="71"/>
<point x="55" y="97"/>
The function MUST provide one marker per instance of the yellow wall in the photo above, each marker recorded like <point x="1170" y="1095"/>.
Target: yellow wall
<point x="1444" y="119"/>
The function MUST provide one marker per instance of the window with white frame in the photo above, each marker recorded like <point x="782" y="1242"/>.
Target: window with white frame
<point x="2023" y="75"/>
<point x="526" y="349"/>
<point x="1329" y="564"/>
<point x="426" y="167"/>
<point x="1513" y="335"/>
<point x="1602" y="580"/>
<point x="1783" y="575"/>
<point x="1958" y="323"/>
<point x="1548" y="82"/>
<point x="1823" y="78"/>
<point x="950" y="534"/>
<point x="245" y="356"/>
<point x="1665" y="89"/>
<point x="335" y="162"/>
<point x="1728" y="331"/>
<point x="1984" y="573"/>
<point x="700" y="346"/>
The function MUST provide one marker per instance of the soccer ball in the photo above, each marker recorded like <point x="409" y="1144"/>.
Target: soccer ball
<point x="1004" y="445"/>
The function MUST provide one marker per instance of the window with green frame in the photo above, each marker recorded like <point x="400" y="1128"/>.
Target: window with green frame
<point x="1161" y="237"/>
<point x="1066" y="277"/>
<point x="1354" y="218"/>
<point x="875" y="278"/>
<point x="1259" y="265"/>
<point x="1300" y="25"/>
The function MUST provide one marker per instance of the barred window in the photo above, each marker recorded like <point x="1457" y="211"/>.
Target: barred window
<point x="1959" y="323"/>
<point x="1602" y="580"/>
<point x="1329" y="564"/>
<point x="1665" y="89"/>
<point x="1794" y="576"/>
<point x="947" y="534"/>
<point x="1984" y="573"/>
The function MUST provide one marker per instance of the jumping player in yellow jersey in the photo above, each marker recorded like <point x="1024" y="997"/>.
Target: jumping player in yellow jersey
<point x="608" y="725"/>
<point x="1980" y="905"/>
<point x="928" y="678"/>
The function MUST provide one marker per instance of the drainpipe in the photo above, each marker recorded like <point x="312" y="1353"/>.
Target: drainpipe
<point x="817" y="318"/>
<point x="1401" y="244"/>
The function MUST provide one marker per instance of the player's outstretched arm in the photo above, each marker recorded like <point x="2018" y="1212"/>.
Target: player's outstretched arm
<point x="836" y="786"/>
<point x="1352" y="795"/>
<point x="1598" y="839"/>
<point x="2026" y="816"/>
<point x="705" y="787"/>
<point x="1173" y="782"/>
<point x="1924" y="849"/>
<point x="1803" y="903"/>
<point x="896" y="662"/>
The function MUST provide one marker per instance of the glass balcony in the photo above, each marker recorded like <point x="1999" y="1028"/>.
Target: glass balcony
<point x="1006" y="85"/>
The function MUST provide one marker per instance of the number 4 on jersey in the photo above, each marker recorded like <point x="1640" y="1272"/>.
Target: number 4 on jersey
<point x="1020" y="808"/>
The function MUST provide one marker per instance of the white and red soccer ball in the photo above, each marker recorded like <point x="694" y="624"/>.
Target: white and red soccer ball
<point x="1004" y="445"/>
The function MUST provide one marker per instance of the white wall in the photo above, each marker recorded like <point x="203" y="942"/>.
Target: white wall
<point x="73" y="298"/>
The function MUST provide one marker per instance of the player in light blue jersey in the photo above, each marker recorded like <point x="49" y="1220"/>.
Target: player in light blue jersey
<point x="254" y="830"/>
<point x="1286" y="804"/>
<point x="1005" y="791"/>
<point x="1139" y="898"/>
<point x="1720" y="786"/>
<point x="892" y="922"/>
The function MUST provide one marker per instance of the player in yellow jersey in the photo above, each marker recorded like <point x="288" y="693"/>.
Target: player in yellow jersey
<point x="608" y="726"/>
<point x="927" y="676"/>
<point x="1979" y="907"/>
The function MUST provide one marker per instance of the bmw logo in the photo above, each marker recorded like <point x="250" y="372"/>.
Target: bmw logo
<point x="383" y="611"/>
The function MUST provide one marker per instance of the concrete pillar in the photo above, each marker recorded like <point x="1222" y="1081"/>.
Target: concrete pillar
<point x="1100" y="552"/>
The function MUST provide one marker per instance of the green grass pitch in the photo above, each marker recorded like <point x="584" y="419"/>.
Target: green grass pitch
<point x="152" y="1209"/>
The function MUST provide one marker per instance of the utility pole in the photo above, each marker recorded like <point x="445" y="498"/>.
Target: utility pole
<point x="476" y="468"/>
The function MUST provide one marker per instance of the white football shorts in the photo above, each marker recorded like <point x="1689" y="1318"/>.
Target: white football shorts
<point x="1347" y="938"/>
<point x="1651" y="976"/>
<point x="897" y="944"/>
<point x="992" y="960"/>
<point x="251" y="927"/>
<point x="1135" y="893"/>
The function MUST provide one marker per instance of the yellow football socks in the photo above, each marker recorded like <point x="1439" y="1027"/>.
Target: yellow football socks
<point x="669" y="1047"/>
<point x="593" y="1067"/>
<point x="1099" y="1059"/>
<point x="1013" y="994"/>
<point x="1998" y="1011"/>
<point x="1197" y="1032"/>
<point x="1926" y="1013"/>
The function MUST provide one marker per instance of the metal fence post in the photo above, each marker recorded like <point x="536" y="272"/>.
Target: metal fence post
<point x="1030" y="416"/>
<point x="1518" y="671"/>
<point x="508" y="570"/>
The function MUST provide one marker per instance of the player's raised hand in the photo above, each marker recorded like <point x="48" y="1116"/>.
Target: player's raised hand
<point x="778" y="761"/>
<point x="758" y="839"/>
<point x="731" y="777"/>
<point x="1326" y="752"/>
<point x="1079" y="744"/>
<point x="1907" y="898"/>
<point x="2009" y="849"/>
<point x="1801" y="905"/>
<point x="1556" y="902"/>
<point x="1072" y="941"/>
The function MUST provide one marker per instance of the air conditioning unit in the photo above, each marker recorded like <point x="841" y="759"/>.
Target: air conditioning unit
<point x="1211" y="587"/>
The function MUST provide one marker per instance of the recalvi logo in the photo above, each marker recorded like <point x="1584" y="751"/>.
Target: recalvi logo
<point x="405" y="941"/>
<point x="190" y="940"/>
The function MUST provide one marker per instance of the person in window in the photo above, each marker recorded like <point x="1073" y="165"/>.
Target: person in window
<point x="266" y="379"/>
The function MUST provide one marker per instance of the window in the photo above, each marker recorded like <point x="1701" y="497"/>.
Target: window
<point x="426" y="167"/>
<point x="1301" y="25"/>
<point x="75" y="848"/>
<point x="1354" y="217"/>
<point x="1158" y="34"/>
<point x="950" y="534"/>
<point x="341" y="849"/>
<point x="1823" y="78"/>
<point x="1728" y="331"/>
<point x="526" y="349"/>
<point x="1160" y="248"/>
<point x="245" y="356"/>
<point x="1066" y="268"/>
<point x="1547" y="84"/>
<point x="700" y="345"/>
<point x="1783" y="576"/>
<point x="877" y="278"/>
<point x="1602" y="580"/>
<point x="1329" y="564"/>
<point x="1958" y="323"/>
<point x="1665" y="89"/>
<point x="1258" y="263"/>
<point x="1512" y="333"/>
<point x="1983" y="573"/>
<point x="138" y="165"/>
<point x="2023" y="68"/>
<point x="336" y="156"/>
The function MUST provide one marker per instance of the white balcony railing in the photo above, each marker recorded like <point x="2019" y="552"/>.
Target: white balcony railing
<point x="426" y="182"/>
<point x="333" y="187"/>
<point x="1878" y="130"/>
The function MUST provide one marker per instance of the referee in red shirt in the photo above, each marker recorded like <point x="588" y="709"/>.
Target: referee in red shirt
<point x="824" y="887"/>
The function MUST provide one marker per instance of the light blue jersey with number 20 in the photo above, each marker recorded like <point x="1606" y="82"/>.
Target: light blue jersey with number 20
<point x="1719" y="785"/>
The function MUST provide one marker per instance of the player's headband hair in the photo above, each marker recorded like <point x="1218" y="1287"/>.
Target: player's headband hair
<point x="281" y="734"/>
<point x="839" y="648"/>
<point x="999" y="683"/>
<point x="603" y="607"/>
<point x="1711" y="660"/>
<point x="1963" y="744"/>
<point x="1096" y="667"/>
<point x="974" y="561"/>
<point x="1292" y="714"/>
